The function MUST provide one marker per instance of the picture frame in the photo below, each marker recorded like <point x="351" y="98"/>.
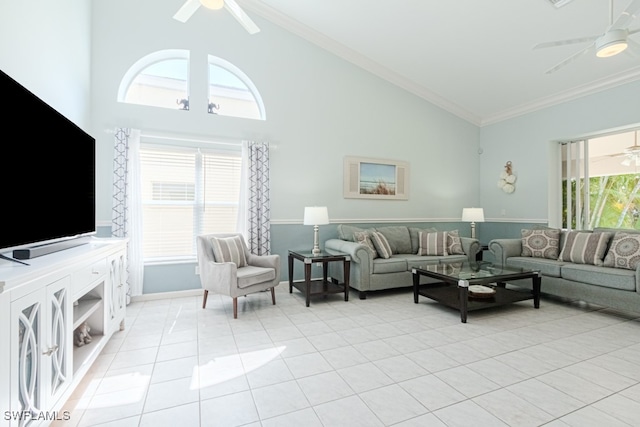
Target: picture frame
<point x="371" y="178"/>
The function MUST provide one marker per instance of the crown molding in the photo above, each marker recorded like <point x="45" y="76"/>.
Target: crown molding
<point x="575" y="93"/>
<point x="392" y="77"/>
<point x="357" y="59"/>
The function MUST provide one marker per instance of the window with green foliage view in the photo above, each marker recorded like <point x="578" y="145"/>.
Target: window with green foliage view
<point x="604" y="182"/>
<point x="614" y="202"/>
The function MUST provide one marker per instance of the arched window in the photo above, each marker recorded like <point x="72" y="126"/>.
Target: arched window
<point x="231" y="92"/>
<point x="161" y="79"/>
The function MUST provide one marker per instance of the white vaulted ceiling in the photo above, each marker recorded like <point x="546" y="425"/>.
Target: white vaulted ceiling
<point x="474" y="58"/>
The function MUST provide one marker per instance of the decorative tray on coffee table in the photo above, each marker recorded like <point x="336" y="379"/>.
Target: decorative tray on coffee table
<point x="480" y="291"/>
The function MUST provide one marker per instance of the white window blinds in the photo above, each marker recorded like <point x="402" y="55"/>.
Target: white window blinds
<point x="186" y="191"/>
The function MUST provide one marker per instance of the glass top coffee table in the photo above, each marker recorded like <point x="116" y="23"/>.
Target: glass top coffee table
<point x="473" y="286"/>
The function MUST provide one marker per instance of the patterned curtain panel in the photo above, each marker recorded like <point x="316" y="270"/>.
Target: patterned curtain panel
<point x="126" y="218"/>
<point x="258" y="213"/>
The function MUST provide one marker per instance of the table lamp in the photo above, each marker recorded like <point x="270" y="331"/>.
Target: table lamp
<point x="316" y="215"/>
<point x="473" y="215"/>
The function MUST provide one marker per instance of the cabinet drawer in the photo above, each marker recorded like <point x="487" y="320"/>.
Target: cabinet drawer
<point x="87" y="275"/>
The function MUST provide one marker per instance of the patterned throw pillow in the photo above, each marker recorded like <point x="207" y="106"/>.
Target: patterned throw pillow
<point x="585" y="248"/>
<point x="454" y="244"/>
<point x="381" y="244"/>
<point x="364" y="238"/>
<point x="542" y="243"/>
<point x="433" y="243"/>
<point x="624" y="251"/>
<point x="229" y="249"/>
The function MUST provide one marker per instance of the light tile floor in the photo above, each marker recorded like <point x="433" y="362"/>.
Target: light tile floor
<point x="383" y="361"/>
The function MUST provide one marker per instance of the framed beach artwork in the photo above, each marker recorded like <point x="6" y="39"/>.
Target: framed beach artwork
<point x="368" y="178"/>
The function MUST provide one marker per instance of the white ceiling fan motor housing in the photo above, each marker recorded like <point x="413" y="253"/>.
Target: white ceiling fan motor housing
<point x="611" y="43"/>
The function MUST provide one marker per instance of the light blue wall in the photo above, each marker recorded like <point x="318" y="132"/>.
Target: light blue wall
<point x="528" y="142"/>
<point x="45" y="46"/>
<point x="319" y="109"/>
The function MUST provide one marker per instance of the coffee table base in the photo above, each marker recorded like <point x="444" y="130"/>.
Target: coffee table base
<point x="457" y="295"/>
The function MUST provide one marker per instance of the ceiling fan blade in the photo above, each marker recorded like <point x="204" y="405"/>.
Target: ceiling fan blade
<point x="241" y="16"/>
<point x="634" y="48"/>
<point x="625" y="18"/>
<point x="570" y="59"/>
<point x="565" y="42"/>
<point x="187" y="9"/>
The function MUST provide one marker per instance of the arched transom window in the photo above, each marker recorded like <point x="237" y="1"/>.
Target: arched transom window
<point x="162" y="79"/>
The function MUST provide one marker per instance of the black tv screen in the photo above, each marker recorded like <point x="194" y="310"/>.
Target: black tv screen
<point x="47" y="172"/>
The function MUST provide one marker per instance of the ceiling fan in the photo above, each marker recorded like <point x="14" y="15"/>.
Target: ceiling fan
<point x="632" y="154"/>
<point x="190" y="7"/>
<point x="614" y="40"/>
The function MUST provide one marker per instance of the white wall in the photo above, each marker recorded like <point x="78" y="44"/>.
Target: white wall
<point x="529" y="143"/>
<point x="45" y="46"/>
<point x="319" y="109"/>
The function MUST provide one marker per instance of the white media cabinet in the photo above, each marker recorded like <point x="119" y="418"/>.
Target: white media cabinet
<point x="40" y="307"/>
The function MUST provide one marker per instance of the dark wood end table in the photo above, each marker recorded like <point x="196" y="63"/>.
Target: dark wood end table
<point x="319" y="286"/>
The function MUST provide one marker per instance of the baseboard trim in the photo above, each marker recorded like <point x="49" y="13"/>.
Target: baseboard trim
<point x="175" y="294"/>
<point x="167" y="295"/>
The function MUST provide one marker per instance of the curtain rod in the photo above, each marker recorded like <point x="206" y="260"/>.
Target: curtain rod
<point x="147" y="135"/>
<point x="178" y="138"/>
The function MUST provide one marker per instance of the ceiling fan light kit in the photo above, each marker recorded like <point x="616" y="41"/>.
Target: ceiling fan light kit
<point x="213" y="4"/>
<point x="632" y="154"/>
<point x="191" y="6"/>
<point x="611" y="43"/>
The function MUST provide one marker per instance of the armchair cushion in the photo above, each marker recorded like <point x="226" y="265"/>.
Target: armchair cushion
<point x="229" y="249"/>
<point x="250" y="275"/>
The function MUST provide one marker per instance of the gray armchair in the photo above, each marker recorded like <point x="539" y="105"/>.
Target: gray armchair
<point x="228" y="268"/>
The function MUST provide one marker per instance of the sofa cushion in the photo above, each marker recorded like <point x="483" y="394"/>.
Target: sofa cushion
<point x="455" y="258"/>
<point x="585" y="248"/>
<point x="454" y="244"/>
<point x="345" y="232"/>
<point x="544" y="243"/>
<point x="381" y="244"/>
<point x="548" y="267"/>
<point x="229" y="249"/>
<point x="420" y="261"/>
<point x="398" y="238"/>
<point x="395" y="264"/>
<point x="413" y="233"/>
<point x="364" y="238"/>
<point x="624" y="251"/>
<point x="433" y="243"/>
<point x="616" y="278"/>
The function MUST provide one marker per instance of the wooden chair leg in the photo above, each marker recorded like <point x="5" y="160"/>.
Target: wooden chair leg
<point x="273" y="295"/>
<point x="204" y="299"/>
<point x="235" y="308"/>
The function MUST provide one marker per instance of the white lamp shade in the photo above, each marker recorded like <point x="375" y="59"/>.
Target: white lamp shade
<point x="473" y="215"/>
<point x="316" y="215"/>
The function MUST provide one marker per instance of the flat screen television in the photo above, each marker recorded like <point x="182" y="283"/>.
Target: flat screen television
<point x="47" y="174"/>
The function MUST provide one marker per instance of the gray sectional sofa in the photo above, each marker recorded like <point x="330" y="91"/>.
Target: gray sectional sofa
<point x="372" y="272"/>
<point x="600" y="267"/>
